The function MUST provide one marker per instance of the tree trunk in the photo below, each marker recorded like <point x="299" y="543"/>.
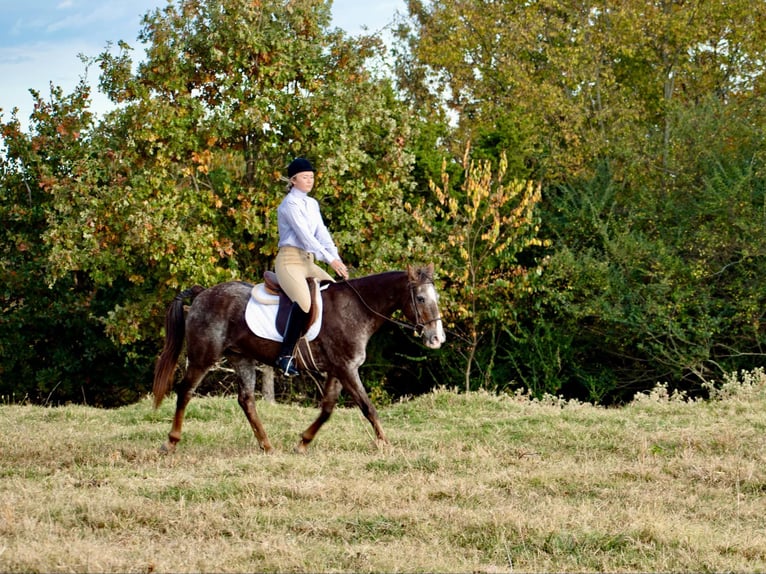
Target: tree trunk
<point x="267" y="385"/>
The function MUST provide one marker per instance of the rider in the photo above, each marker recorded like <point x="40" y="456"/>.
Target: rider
<point x="303" y="237"/>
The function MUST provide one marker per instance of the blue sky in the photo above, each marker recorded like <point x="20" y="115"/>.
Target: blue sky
<point x="40" y="40"/>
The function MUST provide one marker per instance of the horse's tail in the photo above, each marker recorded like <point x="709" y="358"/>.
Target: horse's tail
<point x="175" y="332"/>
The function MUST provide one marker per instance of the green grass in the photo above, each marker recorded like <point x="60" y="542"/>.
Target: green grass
<point x="470" y="483"/>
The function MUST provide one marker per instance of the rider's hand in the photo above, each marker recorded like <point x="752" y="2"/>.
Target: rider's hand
<point x="340" y="268"/>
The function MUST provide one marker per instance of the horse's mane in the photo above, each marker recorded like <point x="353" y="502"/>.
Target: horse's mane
<point x="376" y="276"/>
<point x="421" y="275"/>
<point x="417" y="276"/>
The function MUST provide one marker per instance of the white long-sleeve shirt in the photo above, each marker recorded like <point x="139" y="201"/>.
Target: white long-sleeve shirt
<point x="300" y="225"/>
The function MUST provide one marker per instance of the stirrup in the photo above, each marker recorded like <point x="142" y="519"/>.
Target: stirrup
<point x="286" y="364"/>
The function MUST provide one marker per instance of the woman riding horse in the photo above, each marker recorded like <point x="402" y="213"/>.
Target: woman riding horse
<point x="303" y="237"/>
<point x="215" y="327"/>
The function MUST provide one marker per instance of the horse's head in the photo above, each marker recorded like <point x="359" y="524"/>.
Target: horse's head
<point x="423" y="306"/>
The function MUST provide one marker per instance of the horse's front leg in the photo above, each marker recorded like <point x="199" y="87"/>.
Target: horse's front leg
<point x="352" y="384"/>
<point x="332" y="390"/>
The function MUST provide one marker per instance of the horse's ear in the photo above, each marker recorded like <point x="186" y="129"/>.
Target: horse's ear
<point x="412" y="273"/>
<point x="430" y="270"/>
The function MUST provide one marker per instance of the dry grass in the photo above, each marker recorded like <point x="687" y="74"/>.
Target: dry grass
<point x="471" y="483"/>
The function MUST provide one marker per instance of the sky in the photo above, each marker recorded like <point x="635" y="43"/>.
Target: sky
<point x="40" y="40"/>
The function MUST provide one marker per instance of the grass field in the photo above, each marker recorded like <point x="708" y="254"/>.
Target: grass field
<point x="470" y="483"/>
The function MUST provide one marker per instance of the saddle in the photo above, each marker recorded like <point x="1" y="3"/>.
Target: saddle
<point x="270" y="293"/>
<point x="271" y="283"/>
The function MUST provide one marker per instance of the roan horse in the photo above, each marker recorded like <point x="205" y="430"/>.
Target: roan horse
<point x="353" y="311"/>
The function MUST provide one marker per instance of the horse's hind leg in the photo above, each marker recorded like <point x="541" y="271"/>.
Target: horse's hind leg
<point x="246" y="398"/>
<point x="332" y="390"/>
<point x="184" y="391"/>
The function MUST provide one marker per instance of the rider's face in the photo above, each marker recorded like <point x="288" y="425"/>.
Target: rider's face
<point x="304" y="180"/>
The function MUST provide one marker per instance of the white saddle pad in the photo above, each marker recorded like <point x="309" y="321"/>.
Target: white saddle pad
<point x="261" y="314"/>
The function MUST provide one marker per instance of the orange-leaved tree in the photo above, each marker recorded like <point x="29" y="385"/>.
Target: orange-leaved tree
<point x="481" y="227"/>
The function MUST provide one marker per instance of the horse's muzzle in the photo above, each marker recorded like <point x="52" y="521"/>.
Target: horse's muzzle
<point x="434" y="337"/>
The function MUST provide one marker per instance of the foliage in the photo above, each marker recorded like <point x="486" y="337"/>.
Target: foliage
<point x="578" y="81"/>
<point x="179" y="183"/>
<point x="644" y="124"/>
<point x="52" y="341"/>
<point x="664" y="290"/>
<point x="481" y="228"/>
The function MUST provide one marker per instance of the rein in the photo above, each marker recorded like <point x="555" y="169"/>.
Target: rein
<point x="415" y="328"/>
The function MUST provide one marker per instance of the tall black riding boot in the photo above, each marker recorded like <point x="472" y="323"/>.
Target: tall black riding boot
<point x="295" y="324"/>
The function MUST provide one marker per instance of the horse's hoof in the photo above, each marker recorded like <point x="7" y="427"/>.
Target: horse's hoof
<point x="301" y="448"/>
<point x="167" y="448"/>
<point x="382" y="445"/>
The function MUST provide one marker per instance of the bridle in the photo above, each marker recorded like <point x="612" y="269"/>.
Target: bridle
<point x="419" y="325"/>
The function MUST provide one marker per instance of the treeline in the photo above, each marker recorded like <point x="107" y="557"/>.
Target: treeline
<point x="589" y="180"/>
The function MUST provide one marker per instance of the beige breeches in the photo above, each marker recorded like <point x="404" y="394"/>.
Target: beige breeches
<point x="293" y="266"/>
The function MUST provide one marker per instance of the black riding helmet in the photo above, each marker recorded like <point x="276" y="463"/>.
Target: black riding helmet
<point x="298" y="165"/>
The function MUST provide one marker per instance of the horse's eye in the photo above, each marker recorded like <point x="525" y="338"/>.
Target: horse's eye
<point x="421" y="299"/>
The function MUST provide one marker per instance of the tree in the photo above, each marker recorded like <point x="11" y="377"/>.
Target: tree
<point x="480" y="229"/>
<point x="179" y="183"/>
<point x="53" y="346"/>
<point x="578" y="80"/>
<point x="188" y="181"/>
<point x="634" y="117"/>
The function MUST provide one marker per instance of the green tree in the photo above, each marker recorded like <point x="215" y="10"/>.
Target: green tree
<point x="179" y="183"/>
<point x="579" y="81"/>
<point x="53" y="345"/>
<point x="188" y="181"/>
<point x="665" y="291"/>
<point x="638" y="118"/>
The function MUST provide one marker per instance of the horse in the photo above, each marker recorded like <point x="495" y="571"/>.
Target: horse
<point x="352" y="311"/>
